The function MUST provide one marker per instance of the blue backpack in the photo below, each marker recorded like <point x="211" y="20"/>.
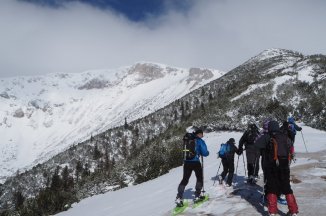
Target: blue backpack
<point x="292" y="128"/>
<point x="224" y="150"/>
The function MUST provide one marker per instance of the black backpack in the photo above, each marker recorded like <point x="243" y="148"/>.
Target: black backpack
<point x="189" y="146"/>
<point x="251" y="136"/>
<point x="279" y="144"/>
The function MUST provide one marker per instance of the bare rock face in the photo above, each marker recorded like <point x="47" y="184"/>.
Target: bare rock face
<point x="198" y="75"/>
<point x="147" y="72"/>
<point x="19" y="113"/>
<point x="94" y="84"/>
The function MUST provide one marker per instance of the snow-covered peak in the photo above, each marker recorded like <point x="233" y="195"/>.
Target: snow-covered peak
<point x="274" y="52"/>
<point x="42" y="115"/>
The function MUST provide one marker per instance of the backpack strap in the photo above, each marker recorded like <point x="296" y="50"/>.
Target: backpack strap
<point x="275" y="148"/>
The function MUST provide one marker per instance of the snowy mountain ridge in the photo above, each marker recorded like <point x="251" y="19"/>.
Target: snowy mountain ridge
<point x="268" y="85"/>
<point x="42" y="115"/>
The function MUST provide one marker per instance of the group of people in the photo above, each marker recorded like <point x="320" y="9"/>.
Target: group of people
<point x="274" y="145"/>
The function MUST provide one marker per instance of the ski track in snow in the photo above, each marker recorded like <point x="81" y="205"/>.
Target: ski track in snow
<point x="156" y="197"/>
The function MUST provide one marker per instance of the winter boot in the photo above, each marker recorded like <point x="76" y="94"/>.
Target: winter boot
<point x="292" y="204"/>
<point x="272" y="203"/>
<point x="181" y="189"/>
<point x="199" y="198"/>
<point x="179" y="202"/>
<point x="251" y="179"/>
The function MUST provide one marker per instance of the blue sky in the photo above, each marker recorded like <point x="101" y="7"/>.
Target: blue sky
<point x="135" y="10"/>
<point x="39" y="36"/>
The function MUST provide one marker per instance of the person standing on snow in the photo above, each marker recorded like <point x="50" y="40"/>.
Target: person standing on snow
<point x="193" y="165"/>
<point x="293" y="127"/>
<point x="228" y="162"/>
<point x="247" y="140"/>
<point x="276" y="150"/>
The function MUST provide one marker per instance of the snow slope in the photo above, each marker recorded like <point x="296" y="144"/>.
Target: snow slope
<point x="156" y="197"/>
<point x="41" y="116"/>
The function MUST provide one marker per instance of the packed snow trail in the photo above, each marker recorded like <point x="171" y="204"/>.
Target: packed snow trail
<point x="156" y="197"/>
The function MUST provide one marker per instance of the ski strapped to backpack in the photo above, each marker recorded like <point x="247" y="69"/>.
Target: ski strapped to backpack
<point x="189" y="146"/>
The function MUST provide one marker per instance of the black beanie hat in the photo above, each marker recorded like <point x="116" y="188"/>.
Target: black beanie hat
<point x="199" y="131"/>
<point x="231" y="140"/>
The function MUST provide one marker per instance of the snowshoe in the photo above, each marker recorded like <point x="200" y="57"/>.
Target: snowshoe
<point x="179" y="210"/>
<point x="200" y="200"/>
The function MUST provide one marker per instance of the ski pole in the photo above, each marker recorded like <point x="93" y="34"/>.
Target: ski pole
<point x="202" y="165"/>
<point x="217" y="172"/>
<point x="264" y="188"/>
<point x="244" y="165"/>
<point x="304" y="142"/>
<point x="236" y="169"/>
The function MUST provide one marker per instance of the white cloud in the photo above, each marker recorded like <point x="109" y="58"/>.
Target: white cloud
<point x="215" y="34"/>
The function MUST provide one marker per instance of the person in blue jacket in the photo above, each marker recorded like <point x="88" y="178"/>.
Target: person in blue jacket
<point x="293" y="127"/>
<point x="193" y="165"/>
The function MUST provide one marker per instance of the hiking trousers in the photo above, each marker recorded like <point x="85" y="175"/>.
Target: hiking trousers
<point x="228" y="169"/>
<point x="252" y="161"/>
<point x="188" y="167"/>
<point x="278" y="178"/>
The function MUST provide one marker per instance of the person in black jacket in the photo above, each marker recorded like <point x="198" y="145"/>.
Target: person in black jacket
<point x="228" y="163"/>
<point x="248" y="139"/>
<point x="276" y="147"/>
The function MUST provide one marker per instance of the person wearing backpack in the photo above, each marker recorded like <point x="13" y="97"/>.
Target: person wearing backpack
<point x="226" y="153"/>
<point x="252" y="154"/>
<point x="192" y="163"/>
<point x="276" y="147"/>
<point x="285" y="128"/>
<point x="293" y="127"/>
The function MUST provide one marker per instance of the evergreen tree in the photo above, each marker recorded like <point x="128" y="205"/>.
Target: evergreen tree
<point x="67" y="180"/>
<point x="126" y="124"/>
<point x="56" y="182"/>
<point x="79" y="169"/>
<point x="96" y="153"/>
<point x="18" y="199"/>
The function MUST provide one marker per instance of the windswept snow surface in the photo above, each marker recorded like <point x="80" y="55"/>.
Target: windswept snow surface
<point x="156" y="197"/>
<point x="41" y="116"/>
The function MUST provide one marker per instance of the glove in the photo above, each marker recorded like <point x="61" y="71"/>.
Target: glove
<point x="240" y="150"/>
<point x="300" y="129"/>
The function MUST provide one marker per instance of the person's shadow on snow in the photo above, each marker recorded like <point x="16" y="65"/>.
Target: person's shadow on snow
<point x="188" y="194"/>
<point x="252" y="193"/>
